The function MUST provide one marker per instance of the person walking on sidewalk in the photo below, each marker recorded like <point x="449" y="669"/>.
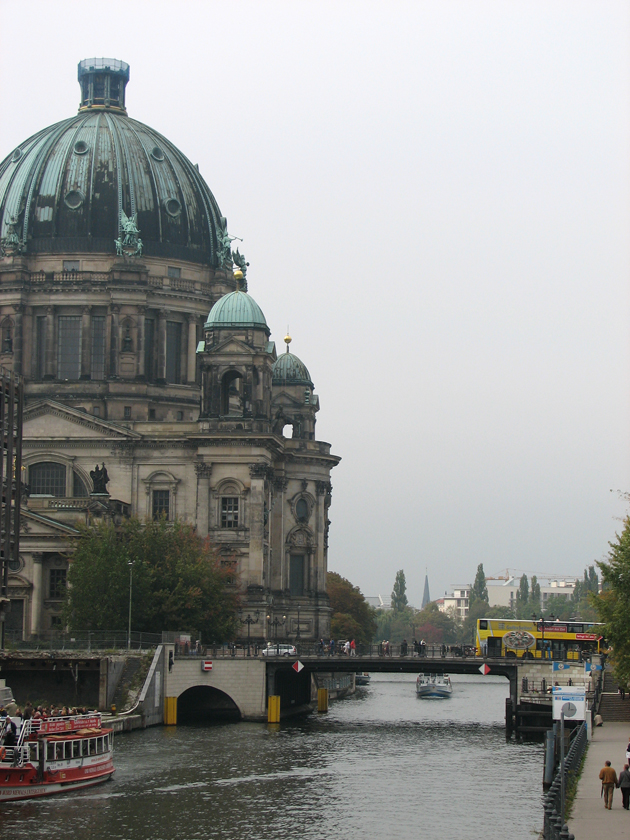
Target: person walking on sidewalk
<point x="608" y="776"/>
<point x="624" y="786"/>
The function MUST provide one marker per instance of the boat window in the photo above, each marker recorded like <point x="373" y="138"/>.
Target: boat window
<point x="92" y="746"/>
<point x="84" y="748"/>
<point x="67" y="751"/>
<point x="33" y="752"/>
<point x="76" y="748"/>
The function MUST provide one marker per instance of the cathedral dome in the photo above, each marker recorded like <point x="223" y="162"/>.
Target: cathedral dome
<point x="236" y="309"/>
<point x="289" y="370"/>
<point x="69" y="187"/>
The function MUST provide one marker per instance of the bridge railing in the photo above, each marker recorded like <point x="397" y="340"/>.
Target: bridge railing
<point x="306" y="650"/>
<point x="554" y="826"/>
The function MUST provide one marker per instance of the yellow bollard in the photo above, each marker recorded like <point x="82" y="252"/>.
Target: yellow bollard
<point x="322" y="699"/>
<point x="170" y="711"/>
<point x="273" y="709"/>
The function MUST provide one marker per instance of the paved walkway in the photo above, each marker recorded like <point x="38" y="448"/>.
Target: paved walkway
<point x="590" y="820"/>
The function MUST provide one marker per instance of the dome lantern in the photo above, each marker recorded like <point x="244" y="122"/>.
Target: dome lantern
<point x="103" y="82"/>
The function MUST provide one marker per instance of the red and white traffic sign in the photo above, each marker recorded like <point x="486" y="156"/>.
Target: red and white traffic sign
<point x="484" y="669"/>
<point x="297" y="666"/>
<point x="206" y="665"/>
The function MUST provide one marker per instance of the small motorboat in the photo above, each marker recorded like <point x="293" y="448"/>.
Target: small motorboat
<point x="434" y="685"/>
<point x="361" y="679"/>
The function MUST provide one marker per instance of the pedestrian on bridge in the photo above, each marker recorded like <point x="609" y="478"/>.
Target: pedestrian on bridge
<point x="624" y="786"/>
<point x="608" y="776"/>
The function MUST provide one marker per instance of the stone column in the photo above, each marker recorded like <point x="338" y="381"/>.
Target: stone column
<point x="204" y="472"/>
<point x="142" y="312"/>
<point x="256" y="523"/>
<point x="114" y="341"/>
<point x="86" y="343"/>
<point x="38" y="594"/>
<point x="191" y="375"/>
<point x="51" y="356"/>
<point x="18" y="339"/>
<point x="161" y="354"/>
<point x="319" y="557"/>
<point x="28" y="341"/>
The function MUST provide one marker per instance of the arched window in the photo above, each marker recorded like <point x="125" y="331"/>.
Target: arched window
<point x="232" y="394"/>
<point x="47" y="479"/>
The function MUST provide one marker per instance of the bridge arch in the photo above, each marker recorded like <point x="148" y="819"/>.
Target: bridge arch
<point x="206" y="704"/>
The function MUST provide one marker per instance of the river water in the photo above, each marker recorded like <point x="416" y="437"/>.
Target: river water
<point x="380" y="764"/>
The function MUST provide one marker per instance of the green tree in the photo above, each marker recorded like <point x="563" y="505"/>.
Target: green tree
<point x="178" y="581"/>
<point x="613" y="604"/>
<point x="436" y="627"/>
<point x="399" y="593"/>
<point x="523" y="609"/>
<point x="534" y="596"/>
<point x="479" y="591"/>
<point x="352" y="616"/>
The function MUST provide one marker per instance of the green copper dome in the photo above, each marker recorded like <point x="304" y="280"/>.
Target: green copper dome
<point x="237" y="309"/>
<point x="289" y="370"/>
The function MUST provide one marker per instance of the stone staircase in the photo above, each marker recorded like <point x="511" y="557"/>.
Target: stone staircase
<point x="611" y="706"/>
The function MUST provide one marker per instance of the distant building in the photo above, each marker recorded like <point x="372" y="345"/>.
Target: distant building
<point x="503" y="594"/>
<point x="459" y="600"/>
<point x="378" y="603"/>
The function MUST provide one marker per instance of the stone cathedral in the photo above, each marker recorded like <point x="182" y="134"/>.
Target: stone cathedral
<point x="152" y="386"/>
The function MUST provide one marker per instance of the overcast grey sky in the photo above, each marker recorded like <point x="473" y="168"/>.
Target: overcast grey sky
<point x="435" y="197"/>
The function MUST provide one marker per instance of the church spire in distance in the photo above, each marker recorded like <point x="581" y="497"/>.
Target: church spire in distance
<point x="426" y="598"/>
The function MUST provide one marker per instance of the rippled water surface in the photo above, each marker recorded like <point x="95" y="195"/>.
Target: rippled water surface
<point x="381" y="764"/>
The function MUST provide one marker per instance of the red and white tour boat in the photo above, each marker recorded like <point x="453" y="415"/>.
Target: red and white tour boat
<point x="53" y="755"/>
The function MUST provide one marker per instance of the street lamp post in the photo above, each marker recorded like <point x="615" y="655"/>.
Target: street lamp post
<point x="249" y="621"/>
<point x="130" y="590"/>
<point x="275" y="623"/>
<point x="542" y="628"/>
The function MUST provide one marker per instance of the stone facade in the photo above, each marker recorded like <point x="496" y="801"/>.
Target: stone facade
<point x="124" y="367"/>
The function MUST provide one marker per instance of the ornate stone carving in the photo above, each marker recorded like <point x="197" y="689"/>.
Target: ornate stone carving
<point x="259" y="470"/>
<point x="203" y="469"/>
<point x="323" y="488"/>
<point x="280" y="484"/>
<point x="11" y="244"/>
<point x="128" y="243"/>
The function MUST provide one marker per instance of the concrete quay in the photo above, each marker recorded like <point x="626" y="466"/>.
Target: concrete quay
<point x="589" y="819"/>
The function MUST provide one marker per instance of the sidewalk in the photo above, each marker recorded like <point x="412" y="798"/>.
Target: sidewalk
<point x="590" y="820"/>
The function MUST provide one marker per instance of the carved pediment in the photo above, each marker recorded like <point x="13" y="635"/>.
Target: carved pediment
<point x="232" y="346"/>
<point x="49" y="420"/>
<point x="43" y="526"/>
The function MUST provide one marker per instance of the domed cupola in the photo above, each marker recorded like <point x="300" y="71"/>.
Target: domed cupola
<point x="101" y="182"/>
<point x="289" y="370"/>
<point x="293" y="402"/>
<point x="236" y="310"/>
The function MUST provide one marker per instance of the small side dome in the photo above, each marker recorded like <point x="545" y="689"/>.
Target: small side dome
<point x="236" y="309"/>
<point x="289" y="370"/>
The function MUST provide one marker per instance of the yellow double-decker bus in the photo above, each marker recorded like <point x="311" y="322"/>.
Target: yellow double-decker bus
<point x="548" y="639"/>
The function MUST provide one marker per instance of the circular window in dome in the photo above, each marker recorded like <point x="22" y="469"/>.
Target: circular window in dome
<point x="74" y="199"/>
<point x="157" y="153"/>
<point x="80" y="147"/>
<point x="172" y="206"/>
<point x="17" y="154"/>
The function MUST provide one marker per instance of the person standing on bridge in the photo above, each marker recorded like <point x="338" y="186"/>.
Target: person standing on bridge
<point x="353" y="648"/>
<point x="608" y="776"/>
<point x="624" y="786"/>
